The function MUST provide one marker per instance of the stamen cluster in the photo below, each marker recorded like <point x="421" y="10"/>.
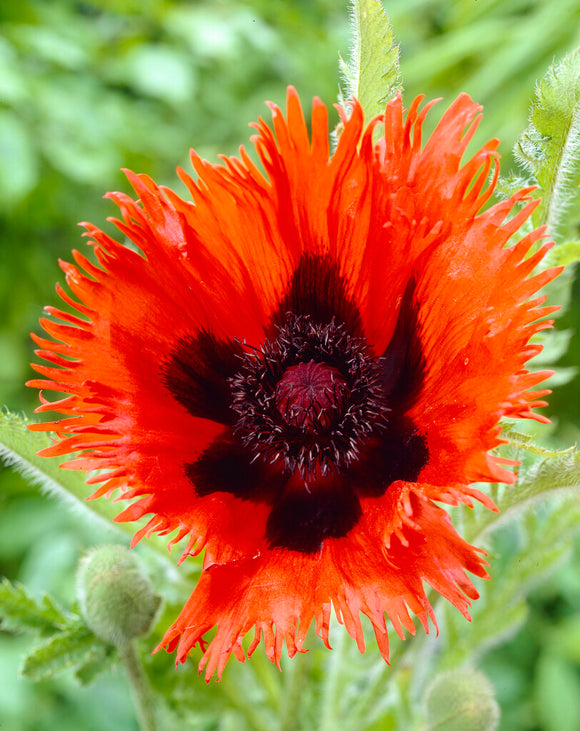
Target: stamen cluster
<point x="310" y="397"/>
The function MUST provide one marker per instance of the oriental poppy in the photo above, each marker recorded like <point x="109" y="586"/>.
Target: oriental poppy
<point x="291" y="369"/>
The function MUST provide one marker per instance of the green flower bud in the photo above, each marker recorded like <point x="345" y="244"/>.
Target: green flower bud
<point x="461" y="700"/>
<point x="116" y="598"/>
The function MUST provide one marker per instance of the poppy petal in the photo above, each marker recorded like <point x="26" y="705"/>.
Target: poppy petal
<point x="281" y="592"/>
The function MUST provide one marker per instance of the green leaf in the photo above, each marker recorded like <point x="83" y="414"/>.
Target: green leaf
<point x="560" y="471"/>
<point x="557" y="473"/>
<point x="550" y="146"/>
<point x="20" y="610"/>
<point x="99" y="660"/>
<point x="18" y="160"/>
<point x="372" y="73"/>
<point x="544" y="540"/>
<point x="499" y="613"/>
<point x="557" y="693"/>
<point x="555" y="344"/>
<point x="496" y="625"/>
<point x="160" y="71"/>
<point x="565" y="254"/>
<point x="18" y="449"/>
<point x="519" y="440"/>
<point x="564" y="638"/>
<point x="73" y="647"/>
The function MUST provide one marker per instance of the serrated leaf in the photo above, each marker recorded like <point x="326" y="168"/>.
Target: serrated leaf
<point x="372" y="73"/>
<point x="525" y="441"/>
<point x="72" y="648"/>
<point x="565" y="254"/>
<point x="558" y="472"/>
<point x="102" y="658"/>
<point x="20" y="610"/>
<point x="545" y="541"/>
<point x="548" y="541"/>
<point x="500" y="612"/>
<point x="521" y="440"/>
<point x="18" y="449"/>
<point x="550" y="147"/>
<point x="497" y="625"/>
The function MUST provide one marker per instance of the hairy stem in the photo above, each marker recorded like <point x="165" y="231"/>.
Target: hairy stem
<point x="334" y="673"/>
<point x="255" y="717"/>
<point x="555" y="198"/>
<point x="140" y="688"/>
<point x="297" y="671"/>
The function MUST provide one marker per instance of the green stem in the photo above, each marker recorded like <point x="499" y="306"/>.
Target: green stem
<point x="335" y="669"/>
<point x="555" y="199"/>
<point x="268" y="677"/>
<point x="141" y="690"/>
<point x="296" y="674"/>
<point x="384" y="679"/>
<point x="256" y="719"/>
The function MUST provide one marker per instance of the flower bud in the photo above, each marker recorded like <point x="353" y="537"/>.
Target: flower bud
<point x="116" y="597"/>
<point x="459" y="700"/>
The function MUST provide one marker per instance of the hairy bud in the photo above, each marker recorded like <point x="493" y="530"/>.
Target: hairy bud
<point x="459" y="700"/>
<point x="116" y="597"/>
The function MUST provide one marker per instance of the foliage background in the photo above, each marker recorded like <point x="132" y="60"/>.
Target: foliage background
<point x="89" y="87"/>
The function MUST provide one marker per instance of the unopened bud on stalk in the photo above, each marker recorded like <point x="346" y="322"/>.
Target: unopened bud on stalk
<point x="459" y="700"/>
<point x="116" y="597"/>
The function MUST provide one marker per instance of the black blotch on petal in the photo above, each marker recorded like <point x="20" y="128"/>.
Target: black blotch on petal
<point x="403" y="362"/>
<point x="196" y="375"/>
<point x="317" y="289"/>
<point x="225" y="466"/>
<point x="301" y="520"/>
<point x="397" y="453"/>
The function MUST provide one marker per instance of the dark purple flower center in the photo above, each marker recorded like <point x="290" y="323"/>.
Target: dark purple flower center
<point x="311" y="396"/>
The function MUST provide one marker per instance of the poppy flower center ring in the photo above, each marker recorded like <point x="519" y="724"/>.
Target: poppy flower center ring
<point x="309" y="397"/>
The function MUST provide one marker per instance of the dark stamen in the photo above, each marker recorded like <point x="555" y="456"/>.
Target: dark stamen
<point x="311" y="397"/>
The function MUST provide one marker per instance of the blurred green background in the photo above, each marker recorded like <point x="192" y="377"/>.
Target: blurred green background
<point x="89" y="87"/>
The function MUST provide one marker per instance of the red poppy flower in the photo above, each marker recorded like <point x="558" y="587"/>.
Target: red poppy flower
<point x="295" y="366"/>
